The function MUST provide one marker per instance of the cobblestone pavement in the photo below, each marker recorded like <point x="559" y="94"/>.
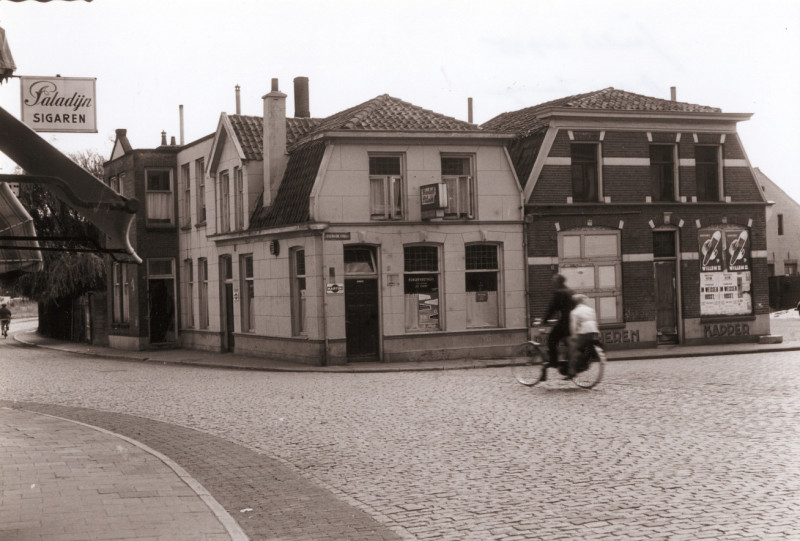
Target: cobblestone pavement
<point x="688" y="448"/>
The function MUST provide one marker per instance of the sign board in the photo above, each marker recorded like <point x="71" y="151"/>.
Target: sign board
<point x="59" y="104"/>
<point x="725" y="279"/>
<point x="335" y="289"/>
<point x="332" y="235"/>
<point x="432" y="198"/>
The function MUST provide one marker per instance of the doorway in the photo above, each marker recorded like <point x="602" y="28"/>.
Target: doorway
<point x="226" y="301"/>
<point x="161" y="301"/>
<point x="362" y="312"/>
<point x="666" y="284"/>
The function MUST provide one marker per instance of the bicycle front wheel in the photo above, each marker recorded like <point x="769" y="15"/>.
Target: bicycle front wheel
<point x="528" y="364"/>
<point x="594" y="372"/>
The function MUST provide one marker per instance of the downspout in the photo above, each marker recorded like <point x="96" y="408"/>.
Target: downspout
<point x="324" y="290"/>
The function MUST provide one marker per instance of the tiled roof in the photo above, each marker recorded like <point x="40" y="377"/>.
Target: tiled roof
<point x="528" y="120"/>
<point x="249" y="132"/>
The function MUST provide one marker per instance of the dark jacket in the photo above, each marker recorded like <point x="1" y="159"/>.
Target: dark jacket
<point x="561" y="304"/>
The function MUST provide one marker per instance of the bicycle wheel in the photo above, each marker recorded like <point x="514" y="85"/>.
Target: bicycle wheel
<point x="528" y="364"/>
<point x="594" y="372"/>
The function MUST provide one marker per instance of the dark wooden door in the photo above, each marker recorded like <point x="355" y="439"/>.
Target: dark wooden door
<point x="666" y="302"/>
<point x="361" y="318"/>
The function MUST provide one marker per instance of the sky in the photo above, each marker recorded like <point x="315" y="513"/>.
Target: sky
<point x="151" y="56"/>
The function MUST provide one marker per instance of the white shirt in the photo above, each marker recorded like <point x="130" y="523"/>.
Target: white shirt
<point x="582" y="320"/>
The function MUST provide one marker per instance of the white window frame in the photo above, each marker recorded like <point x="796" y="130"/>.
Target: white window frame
<point x="120" y="309"/>
<point x="414" y="302"/>
<point x="675" y="171"/>
<point x="200" y="180"/>
<point x="238" y="198"/>
<point x="247" y="287"/>
<point x="461" y="198"/>
<point x="299" y="287"/>
<point x="163" y="200"/>
<point x="186" y="204"/>
<point x="202" y="292"/>
<point x="188" y="271"/>
<point x="472" y="298"/>
<point x="387" y="192"/>
<point x="598" y="163"/>
<point x="224" y="186"/>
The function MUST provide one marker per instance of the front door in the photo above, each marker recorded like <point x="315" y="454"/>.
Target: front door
<point x="666" y="305"/>
<point x="361" y="318"/>
<point x="226" y="292"/>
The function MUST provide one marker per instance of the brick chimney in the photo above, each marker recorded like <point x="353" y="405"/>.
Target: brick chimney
<point x="274" y="136"/>
<point x="301" y="100"/>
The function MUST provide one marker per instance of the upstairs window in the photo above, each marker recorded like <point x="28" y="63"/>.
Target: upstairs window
<point x="200" y="178"/>
<point x="662" y="172"/>
<point x="386" y="187"/>
<point x="238" y="197"/>
<point x="706" y="161"/>
<point x="780" y="224"/>
<point x="186" y="204"/>
<point x="159" y="197"/>
<point x="457" y="175"/>
<point x="585" y="175"/>
<point x="224" y="202"/>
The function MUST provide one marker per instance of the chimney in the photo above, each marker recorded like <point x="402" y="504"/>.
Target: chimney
<point x="238" y="101"/>
<point x="180" y="109"/>
<point x="301" y="102"/>
<point x="673" y="93"/>
<point x="469" y="110"/>
<point x="274" y="141"/>
<point x="172" y="141"/>
<point x="163" y="138"/>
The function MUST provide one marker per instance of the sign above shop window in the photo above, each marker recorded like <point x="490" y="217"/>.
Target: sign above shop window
<point x="59" y="104"/>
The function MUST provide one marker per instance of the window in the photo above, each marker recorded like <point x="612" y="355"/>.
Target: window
<point x="238" y="197"/>
<point x="385" y="188"/>
<point x="120" y="310"/>
<point x="662" y="172"/>
<point x="202" y="279"/>
<point x="421" y="288"/>
<point x="706" y="162"/>
<point x="200" y="178"/>
<point x="664" y="244"/>
<point x="224" y="202"/>
<point x="188" y="302"/>
<point x="113" y="183"/>
<point x="590" y="260"/>
<point x="247" y="287"/>
<point x="585" y="177"/>
<point x="121" y="189"/>
<point x="298" y="261"/>
<point x="186" y="204"/>
<point x="456" y="174"/>
<point x="780" y="224"/>
<point x="481" y="284"/>
<point x="159" y="197"/>
<point x="790" y="268"/>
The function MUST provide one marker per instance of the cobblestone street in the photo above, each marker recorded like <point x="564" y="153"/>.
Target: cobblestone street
<point x="686" y="448"/>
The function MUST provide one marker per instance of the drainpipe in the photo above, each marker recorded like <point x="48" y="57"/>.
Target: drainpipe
<point x="323" y="274"/>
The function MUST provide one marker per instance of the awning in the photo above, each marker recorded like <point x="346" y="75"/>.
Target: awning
<point x="43" y="163"/>
<point x="16" y="255"/>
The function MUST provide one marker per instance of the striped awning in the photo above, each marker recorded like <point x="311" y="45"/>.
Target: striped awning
<point x="16" y="255"/>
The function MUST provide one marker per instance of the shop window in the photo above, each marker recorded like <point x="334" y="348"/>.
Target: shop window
<point x="188" y="303"/>
<point x="386" y="187"/>
<point x="707" y="172"/>
<point x="200" y="179"/>
<point x="482" y="285"/>
<point x="662" y="172"/>
<point x="421" y="288"/>
<point x="457" y="175"/>
<point x="591" y="261"/>
<point x="202" y="293"/>
<point x="120" y="313"/>
<point x="159" y="197"/>
<point x="585" y="172"/>
<point x="298" y="272"/>
<point x="247" y="287"/>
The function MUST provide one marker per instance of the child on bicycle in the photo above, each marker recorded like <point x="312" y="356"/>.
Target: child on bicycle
<point x="583" y="330"/>
<point x="5" y="318"/>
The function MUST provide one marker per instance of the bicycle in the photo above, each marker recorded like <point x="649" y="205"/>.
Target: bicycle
<point x="531" y="360"/>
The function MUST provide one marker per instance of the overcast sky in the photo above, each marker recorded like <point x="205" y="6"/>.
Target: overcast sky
<point x="150" y="56"/>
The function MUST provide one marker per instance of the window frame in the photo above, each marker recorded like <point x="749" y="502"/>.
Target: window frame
<point x="202" y="292"/>
<point x="299" y="286"/>
<point x="462" y="183"/>
<point x="150" y="221"/>
<point x="224" y="198"/>
<point x="496" y="271"/>
<point x="186" y="204"/>
<point x="584" y="166"/>
<point x="238" y="198"/>
<point x="392" y="191"/>
<point x="419" y="275"/>
<point x="200" y="192"/>
<point x="716" y="168"/>
<point x="247" y="288"/>
<point x="188" y="271"/>
<point x="120" y="298"/>
<point x="659" y="177"/>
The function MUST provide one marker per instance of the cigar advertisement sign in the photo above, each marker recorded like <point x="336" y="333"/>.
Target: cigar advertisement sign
<point x="725" y="277"/>
<point x="59" y="104"/>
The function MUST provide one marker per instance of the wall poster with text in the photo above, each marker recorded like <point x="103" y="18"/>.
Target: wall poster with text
<point x="725" y="273"/>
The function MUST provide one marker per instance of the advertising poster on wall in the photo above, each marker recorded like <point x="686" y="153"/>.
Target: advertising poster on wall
<point x="725" y="278"/>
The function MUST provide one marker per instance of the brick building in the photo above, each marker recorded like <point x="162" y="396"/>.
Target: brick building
<point x="648" y="206"/>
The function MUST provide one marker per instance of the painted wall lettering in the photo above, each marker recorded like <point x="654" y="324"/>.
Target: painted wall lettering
<point x="726" y="329"/>
<point x="620" y="337"/>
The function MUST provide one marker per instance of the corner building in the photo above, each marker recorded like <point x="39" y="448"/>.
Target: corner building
<point x="648" y="206"/>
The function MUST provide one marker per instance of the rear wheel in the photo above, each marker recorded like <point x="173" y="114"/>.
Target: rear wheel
<point x="528" y="364"/>
<point x="594" y="372"/>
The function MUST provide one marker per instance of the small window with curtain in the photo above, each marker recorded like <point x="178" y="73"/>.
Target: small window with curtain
<point x="186" y="204"/>
<point x="200" y="192"/>
<point x="457" y="175"/>
<point x="159" y="197"/>
<point x="585" y="172"/>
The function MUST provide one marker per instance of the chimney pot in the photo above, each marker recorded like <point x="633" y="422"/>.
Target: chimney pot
<point x="238" y="101"/>
<point x="172" y="141"/>
<point x="469" y="110"/>
<point x="121" y="132"/>
<point x="163" y="138"/>
<point x="301" y="100"/>
<point x="673" y="93"/>
<point x="274" y="85"/>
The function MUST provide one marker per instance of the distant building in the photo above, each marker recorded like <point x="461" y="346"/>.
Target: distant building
<point x="648" y="206"/>
<point x="783" y="228"/>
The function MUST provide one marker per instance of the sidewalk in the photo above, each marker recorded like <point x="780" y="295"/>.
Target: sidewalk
<point x="233" y="360"/>
<point x="64" y="480"/>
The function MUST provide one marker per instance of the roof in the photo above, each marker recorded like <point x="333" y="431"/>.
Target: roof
<point x="528" y="120"/>
<point x="249" y="131"/>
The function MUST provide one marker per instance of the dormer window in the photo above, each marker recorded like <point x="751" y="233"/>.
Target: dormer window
<point x="386" y="187"/>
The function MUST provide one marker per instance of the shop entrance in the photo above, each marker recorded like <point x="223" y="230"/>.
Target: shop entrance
<point x="362" y="312"/>
<point x="666" y="278"/>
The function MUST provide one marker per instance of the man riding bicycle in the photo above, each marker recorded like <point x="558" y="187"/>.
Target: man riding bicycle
<point x="5" y="319"/>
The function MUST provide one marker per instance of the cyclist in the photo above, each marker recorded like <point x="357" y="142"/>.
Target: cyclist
<point x="561" y="303"/>
<point x="583" y="329"/>
<point x="5" y="318"/>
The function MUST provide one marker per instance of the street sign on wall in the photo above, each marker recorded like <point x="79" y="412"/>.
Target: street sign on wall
<point x="59" y="104"/>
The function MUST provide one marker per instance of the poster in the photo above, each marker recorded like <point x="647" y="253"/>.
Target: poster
<point x="725" y="279"/>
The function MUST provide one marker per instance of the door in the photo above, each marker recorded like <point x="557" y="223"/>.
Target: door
<point x="666" y="302"/>
<point x="361" y="318"/>
<point x="161" y="292"/>
<point x="226" y="292"/>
